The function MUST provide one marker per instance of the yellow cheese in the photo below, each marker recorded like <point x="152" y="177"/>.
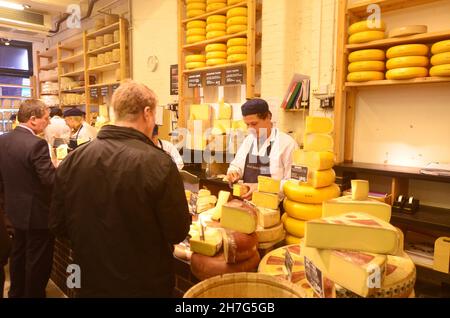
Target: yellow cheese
<point x="290" y="239"/>
<point x="365" y="76"/>
<point x="218" y="18"/>
<point x="366" y="36"/>
<point x="360" y="190"/>
<point x="314" y="160"/>
<point x="216" y="27"/>
<point x="367" y="55"/>
<point x="306" y="194"/>
<point x="205" y="203"/>
<point x="320" y="179"/>
<point x="265" y="200"/>
<point x="214" y="62"/>
<point x="196" y="6"/>
<point x="359" y="272"/>
<point x="237" y="21"/>
<point x="239" y="216"/>
<point x="217" y="55"/>
<point x="194" y="65"/>
<point x="293" y="226"/>
<point x="197" y="126"/>
<point x="197" y="24"/>
<point x="353" y="231"/>
<point x="200" y="112"/>
<point x="318" y="125"/>
<point x="442" y="255"/>
<point x="210" y="246"/>
<point x="237" y="50"/>
<point x="268" y="218"/>
<point x="195" y="58"/>
<point x="239" y="125"/>
<point x="408" y="30"/>
<point x="237" y="12"/>
<point x="233" y="2"/>
<point x="318" y="142"/>
<point x="198" y="142"/>
<point x="237" y="42"/>
<point x="440" y="59"/>
<point x="195" y="38"/>
<point x="61" y="152"/>
<point x="222" y="125"/>
<point x="407" y="61"/>
<point x="441" y="47"/>
<point x="215" y="1"/>
<point x="215" y="34"/>
<point x="407" y="50"/>
<point x="364" y="66"/>
<point x="216" y="47"/>
<point x="223" y="198"/>
<point x="204" y="193"/>
<point x="224" y="111"/>
<point x="191" y="32"/>
<point x="302" y="211"/>
<point x="193" y="1"/>
<point x="440" y="70"/>
<point x="236" y="29"/>
<point x="240" y="190"/>
<point x="215" y="6"/>
<point x="345" y="204"/>
<point x="406" y="73"/>
<point x="235" y="58"/>
<point x="275" y="233"/>
<point x="194" y="13"/>
<point x="366" y="25"/>
<point x="269" y="185"/>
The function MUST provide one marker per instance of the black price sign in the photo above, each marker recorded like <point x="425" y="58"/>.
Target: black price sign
<point x="104" y="91"/>
<point x="93" y="92"/>
<point x="174" y="79"/>
<point x="234" y="76"/>
<point x="214" y="78"/>
<point x="314" y="277"/>
<point x="195" y="80"/>
<point x="289" y="264"/>
<point x="299" y="173"/>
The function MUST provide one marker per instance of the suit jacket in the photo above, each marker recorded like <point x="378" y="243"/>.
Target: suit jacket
<point x="26" y="179"/>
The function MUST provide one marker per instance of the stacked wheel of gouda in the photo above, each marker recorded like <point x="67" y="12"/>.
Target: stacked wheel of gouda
<point x="366" y="65"/>
<point x="440" y="59"/>
<point x="195" y="31"/>
<point x="366" y="31"/>
<point x="407" y="61"/>
<point x="195" y="8"/>
<point x="195" y="61"/>
<point x="216" y="26"/>
<point x="237" y="20"/>
<point x="213" y="5"/>
<point x="237" y="50"/>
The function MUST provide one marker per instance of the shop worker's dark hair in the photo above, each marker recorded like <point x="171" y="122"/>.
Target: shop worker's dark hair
<point x="55" y="111"/>
<point x="13" y="117"/>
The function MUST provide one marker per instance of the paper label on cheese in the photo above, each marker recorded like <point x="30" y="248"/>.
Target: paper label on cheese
<point x="299" y="173"/>
<point x="320" y="284"/>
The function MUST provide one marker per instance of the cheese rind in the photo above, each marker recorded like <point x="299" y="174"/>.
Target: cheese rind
<point x="318" y="142"/>
<point x="239" y="216"/>
<point x="293" y="226"/>
<point x="318" y="125"/>
<point x="271" y="234"/>
<point x="265" y="200"/>
<point x="302" y="211"/>
<point x="223" y="198"/>
<point x="238" y="247"/>
<point x="314" y="160"/>
<point x="268" y="218"/>
<point x="291" y="239"/>
<point x="268" y="185"/>
<point x="354" y="232"/>
<point x="304" y="193"/>
<point x="345" y="204"/>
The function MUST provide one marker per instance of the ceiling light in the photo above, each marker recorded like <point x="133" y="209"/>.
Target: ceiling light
<point x="11" y="5"/>
<point x="7" y="43"/>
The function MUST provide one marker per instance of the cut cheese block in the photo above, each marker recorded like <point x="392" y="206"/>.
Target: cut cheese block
<point x="239" y="216"/>
<point x="236" y="29"/>
<point x="237" y="50"/>
<point x="268" y="218"/>
<point x="407" y="61"/>
<point x="191" y="32"/>
<point x="366" y="36"/>
<point x="321" y="178"/>
<point x="302" y="211"/>
<point x="204" y="267"/>
<point x="237" y="21"/>
<point x="194" y="13"/>
<point x="216" y="47"/>
<point x="210" y="246"/>
<point x="265" y="200"/>
<point x="442" y="255"/>
<point x="406" y="73"/>
<point x="269" y="185"/>
<point x="306" y="194"/>
<point x="360" y="189"/>
<point x="214" y="62"/>
<point x="216" y="27"/>
<point x="290" y="239"/>
<point x="217" y="55"/>
<point x="215" y="34"/>
<point x="196" y="6"/>
<point x="365" y="76"/>
<point x="218" y="18"/>
<point x="274" y="233"/>
<point x="407" y="50"/>
<point x="224" y="111"/>
<point x="367" y="55"/>
<point x="408" y="30"/>
<point x="237" y="42"/>
<point x="195" y="58"/>
<point x="237" y="12"/>
<point x="200" y="112"/>
<point x="440" y="70"/>
<point x="266" y="247"/>
<point x="222" y="125"/>
<point x="223" y="198"/>
<point x="314" y="160"/>
<point x="353" y="231"/>
<point x="238" y="247"/>
<point x="318" y="142"/>
<point x="441" y="47"/>
<point x="195" y="38"/>
<point x="215" y="6"/>
<point x="234" y="58"/>
<point x="359" y="272"/>
<point x="240" y="190"/>
<point x="194" y="65"/>
<point x="377" y="66"/>
<point x="204" y="193"/>
<point x="345" y="205"/>
<point x="197" y="24"/>
<point x="440" y="59"/>
<point x="318" y="125"/>
<point x="293" y="226"/>
<point x="366" y="25"/>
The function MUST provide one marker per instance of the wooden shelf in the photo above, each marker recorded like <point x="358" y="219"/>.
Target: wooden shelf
<point x="49" y="66"/>
<point x="73" y="59"/>
<point x="49" y="53"/>
<point x="201" y="45"/>
<point x="217" y="67"/>
<point x="53" y="78"/>
<point x="415" y="81"/>
<point x="105" y="30"/>
<point x="431" y="218"/>
<point x="104" y="49"/>
<point x="359" y="9"/>
<point x="103" y="84"/>
<point x="220" y="11"/>
<point x="73" y="90"/>
<point x="74" y="73"/>
<point x="13" y="97"/>
<point x="73" y="43"/>
<point x="49" y="94"/>
<point x="14" y="86"/>
<point x="104" y="68"/>
<point x="430" y="37"/>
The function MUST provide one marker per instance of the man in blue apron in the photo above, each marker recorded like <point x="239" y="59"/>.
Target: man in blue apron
<point x="266" y="151"/>
<point x="82" y="132"/>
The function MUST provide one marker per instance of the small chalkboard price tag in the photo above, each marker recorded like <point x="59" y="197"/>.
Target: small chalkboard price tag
<point x="314" y="277"/>
<point x="288" y="263"/>
<point x="234" y="76"/>
<point x="104" y="91"/>
<point x="299" y="173"/>
<point x="214" y="78"/>
<point x="195" y="80"/>
<point x="93" y="92"/>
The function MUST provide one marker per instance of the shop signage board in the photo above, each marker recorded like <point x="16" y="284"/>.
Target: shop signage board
<point x="174" y="79"/>
<point x="195" y="80"/>
<point x="214" y="78"/>
<point x="234" y="76"/>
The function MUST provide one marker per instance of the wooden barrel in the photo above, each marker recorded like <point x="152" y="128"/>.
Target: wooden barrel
<point x="244" y="285"/>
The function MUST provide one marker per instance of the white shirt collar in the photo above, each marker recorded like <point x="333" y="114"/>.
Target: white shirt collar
<point x="27" y="128"/>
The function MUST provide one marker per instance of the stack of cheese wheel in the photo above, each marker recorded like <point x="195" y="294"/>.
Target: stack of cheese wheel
<point x="407" y="61"/>
<point x="440" y="59"/>
<point x="195" y="8"/>
<point x="195" y="31"/>
<point x="366" y="65"/>
<point x="195" y="61"/>
<point x="233" y="2"/>
<point x="216" y="26"/>
<point x="216" y="54"/>
<point x="237" y="50"/>
<point x="213" y="5"/>
<point x="237" y="20"/>
<point x="304" y="198"/>
<point x="366" y="31"/>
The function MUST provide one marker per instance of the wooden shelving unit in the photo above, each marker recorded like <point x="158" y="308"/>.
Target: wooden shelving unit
<point x="50" y="62"/>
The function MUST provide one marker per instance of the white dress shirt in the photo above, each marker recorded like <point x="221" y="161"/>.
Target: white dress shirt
<point x="173" y="152"/>
<point x="281" y="155"/>
<point x="57" y="129"/>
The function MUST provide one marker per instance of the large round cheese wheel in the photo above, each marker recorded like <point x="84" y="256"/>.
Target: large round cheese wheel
<point x="196" y="6"/>
<point x="238" y="247"/>
<point x="216" y="47"/>
<point x="291" y="239"/>
<point x="293" y="226"/>
<point x="194" y="13"/>
<point x="214" y="62"/>
<point x="302" y="211"/>
<point x="236" y="29"/>
<point x="233" y="2"/>
<point x="216" y="27"/>
<point x="406" y="73"/>
<point x="441" y="59"/>
<point x="366" y="36"/>
<point x="407" y="61"/>
<point x="440" y="70"/>
<point x="364" y="66"/>
<point x="237" y="12"/>
<point x="198" y="31"/>
<point x="234" y="58"/>
<point x="270" y="234"/>
<point x="195" y="58"/>
<point x="216" y="19"/>
<point x="215" y="6"/>
<point x="407" y="50"/>
<point x="216" y="55"/>
<point x="441" y="47"/>
<point x="237" y="42"/>
<point x="204" y="267"/>
<point x="195" y="38"/>
<point x="215" y="34"/>
<point x="365" y="76"/>
<point x="367" y="55"/>
<point x="197" y="24"/>
<point x="237" y="50"/>
<point x="366" y="25"/>
<point x="193" y="65"/>
<point x="195" y="1"/>
<point x="215" y="1"/>
<point x="237" y="21"/>
<point x="307" y="194"/>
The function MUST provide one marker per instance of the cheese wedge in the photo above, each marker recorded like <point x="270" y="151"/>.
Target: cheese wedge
<point x="314" y="160"/>
<point x="265" y="200"/>
<point x="224" y="111"/>
<point x="318" y="142"/>
<point x="210" y="246"/>
<point x="345" y="204"/>
<point x="239" y="216"/>
<point x="268" y="218"/>
<point x="268" y="185"/>
<point x="271" y="234"/>
<point x="302" y="211"/>
<point x="223" y="198"/>
<point x="307" y="194"/>
<point x="353" y="231"/>
<point x="200" y="112"/>
<point x="222" y="125"/>
<point x="321" y="178"/>
<point x="240" y="190"/>
<point x="318" y="125"/>
<point x="359" y="272"/>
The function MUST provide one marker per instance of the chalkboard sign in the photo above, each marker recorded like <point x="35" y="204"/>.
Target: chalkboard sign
<point x="93" y="92"/>
<point x="234" y="76"/>
<point x="299" y="173"/>
<point x="104" y="90"/>
<point x="214" y="78"/>
<point x="195" y="80"/>
<point x="174" y="79"/>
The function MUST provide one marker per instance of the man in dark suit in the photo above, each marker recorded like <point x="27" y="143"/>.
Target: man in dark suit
<point x="5" y="246"/>
<point x="26" y="179"/>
